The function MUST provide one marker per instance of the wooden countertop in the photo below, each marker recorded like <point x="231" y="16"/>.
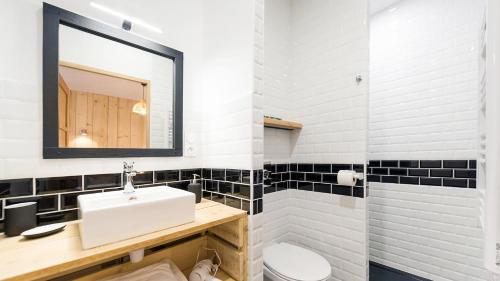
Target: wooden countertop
<point x="62" y="253"/>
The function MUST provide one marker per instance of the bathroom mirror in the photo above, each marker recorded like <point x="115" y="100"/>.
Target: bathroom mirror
<point x="108" y="92"/>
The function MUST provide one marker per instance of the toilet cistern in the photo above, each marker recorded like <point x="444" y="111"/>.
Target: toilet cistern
<point x="130" y="173"/>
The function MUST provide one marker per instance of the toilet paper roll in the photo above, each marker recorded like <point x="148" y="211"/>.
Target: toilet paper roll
<point x="346" y="177"/>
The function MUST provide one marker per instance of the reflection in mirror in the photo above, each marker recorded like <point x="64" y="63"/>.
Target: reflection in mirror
<point x="112" y="95"/>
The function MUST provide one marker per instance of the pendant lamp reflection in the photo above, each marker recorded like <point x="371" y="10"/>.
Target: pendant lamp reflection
<point x="141" y="107"/>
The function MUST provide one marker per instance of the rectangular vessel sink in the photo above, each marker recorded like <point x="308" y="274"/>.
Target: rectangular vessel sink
<point x="113" y="216"/>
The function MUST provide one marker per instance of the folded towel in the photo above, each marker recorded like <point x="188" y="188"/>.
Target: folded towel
<point x="165" y="270"/>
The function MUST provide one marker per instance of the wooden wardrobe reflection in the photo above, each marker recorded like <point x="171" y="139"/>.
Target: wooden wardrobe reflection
<point x="89" y="119"/>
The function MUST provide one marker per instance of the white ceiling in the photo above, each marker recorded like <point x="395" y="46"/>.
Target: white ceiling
<point x="379" y="5"/>
<point x="86" y="81"/>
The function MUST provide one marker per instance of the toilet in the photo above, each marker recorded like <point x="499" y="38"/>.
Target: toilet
<point x="287" y="262"/>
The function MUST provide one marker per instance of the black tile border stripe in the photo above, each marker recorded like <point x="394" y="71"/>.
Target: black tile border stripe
<point x="236" y="184"/>
<point x="60" y="210"/>
<point x="445" y="173"/>
<point x="315" y="177"/>
<point x="232" y="187"/>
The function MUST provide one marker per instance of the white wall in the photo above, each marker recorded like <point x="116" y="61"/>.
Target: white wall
<point x="277" y="146"/>
<point x="329" y="48"/>
<point x="278" y="100"/>
<point x="313" y="51"/>
<point x="488" y="172"/>
<point x="428" y="231"/>
<point x="256" y="221"/>
<point x="332" y="225"/>
<point x="423" y="105"/>
<point x="424" y="80"/>
<point x="278" y="59"/>
<point x="311" y="60"/>
<point x="258" y="88"/>
<point x="335" y="227"/>
<point x="228" y="57"/>
<point x="276" y="218"/>
<point x="218" y="84"/>
<point x="21" y="85"/>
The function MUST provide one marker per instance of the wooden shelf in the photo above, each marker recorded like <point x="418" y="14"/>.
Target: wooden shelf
<point x="281" y="124"/>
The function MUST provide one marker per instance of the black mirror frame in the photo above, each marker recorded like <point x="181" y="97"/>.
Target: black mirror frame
<point x="52" y="18"/>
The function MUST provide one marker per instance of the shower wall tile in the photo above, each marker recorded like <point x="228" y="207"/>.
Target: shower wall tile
<point x="428" y="112"/>
<point x="450" y="173"/>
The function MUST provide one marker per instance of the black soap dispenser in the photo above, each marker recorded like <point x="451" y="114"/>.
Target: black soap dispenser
<point x="19" y="217"/>
<point x="195" y="188"/>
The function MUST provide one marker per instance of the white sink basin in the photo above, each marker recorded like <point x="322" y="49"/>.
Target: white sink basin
<point x="113" y="216"/>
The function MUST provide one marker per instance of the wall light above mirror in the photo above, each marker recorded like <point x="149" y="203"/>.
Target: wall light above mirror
<point x="108" y="92"/>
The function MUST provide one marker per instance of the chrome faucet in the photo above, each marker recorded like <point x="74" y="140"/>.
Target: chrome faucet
<point x="130" y="173"/>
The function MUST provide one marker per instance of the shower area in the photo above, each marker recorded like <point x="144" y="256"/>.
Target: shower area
<point x="392" y="89"/>
<point x="426" y="68"/>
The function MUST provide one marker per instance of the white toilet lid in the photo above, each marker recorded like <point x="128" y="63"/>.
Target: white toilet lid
<point x="296" y="263"/>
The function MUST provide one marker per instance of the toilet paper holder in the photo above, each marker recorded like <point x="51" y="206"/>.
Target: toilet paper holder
<point x="359" y="176"/>
<point x="356" y="175"/>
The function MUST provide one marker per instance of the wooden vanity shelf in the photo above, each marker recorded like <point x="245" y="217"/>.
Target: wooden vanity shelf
<point x="61" y="257"/>
<point x="281" y="124"/>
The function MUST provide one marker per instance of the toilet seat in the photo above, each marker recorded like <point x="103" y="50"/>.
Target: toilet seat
<point x="293" y="263"/>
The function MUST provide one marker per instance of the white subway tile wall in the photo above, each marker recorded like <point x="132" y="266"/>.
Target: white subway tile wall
<point x="258" y="88"/>
<point x="278" y="101"/>
<point x="277" y="146"/>
<point x="313" y="51"/>
<point x="423" y="105"/>
<point x="276" y="219"/>
<point x="277" y="57"/>
<point x="331" y="225"/>
<point x="21" y="90"/>
<point x="311" y="60"/>
<point x="255" y="262"/>
<point x="218" y="116"/>
<point x="427" y="231"/>
<point x="424" y="58"/>
<point x="329" y="48"/>
<point x="228" y="83"/>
